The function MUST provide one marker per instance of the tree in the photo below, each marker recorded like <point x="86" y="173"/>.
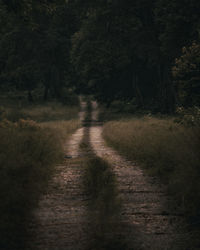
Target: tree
<point x="186" y="73"/>
<point x="35" y="47"/>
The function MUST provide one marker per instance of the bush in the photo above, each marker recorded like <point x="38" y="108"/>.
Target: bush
<point x="188" y="117"/>
<point x="186" y="74"/>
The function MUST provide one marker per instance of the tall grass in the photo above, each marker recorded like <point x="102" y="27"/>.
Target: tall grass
<point x="47" y="112"/>
<point x="29" y="152"/>
<point x="62" y="129"/>
<point x="164" y="148"/>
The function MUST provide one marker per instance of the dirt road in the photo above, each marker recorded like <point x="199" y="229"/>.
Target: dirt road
<point x="149" y="219"/>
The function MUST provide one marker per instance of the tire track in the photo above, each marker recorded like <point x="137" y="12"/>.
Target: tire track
<point x="149" y="218"/>
<point x="60" y="220"/>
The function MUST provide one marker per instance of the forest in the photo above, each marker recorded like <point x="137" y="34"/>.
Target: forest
<point x="144" y="53"/>
<point x="99" y="124"/>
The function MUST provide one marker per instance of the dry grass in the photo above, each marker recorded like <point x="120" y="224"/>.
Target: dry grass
<point x="164" y="148"/>
<point x="48" y="112"/>
<point x="29" y="152"/>
<point x="62" y="128"/>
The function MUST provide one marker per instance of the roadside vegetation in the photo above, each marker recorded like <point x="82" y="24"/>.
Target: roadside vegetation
<point x="13" y="108"/>
<point x="31" y="145"/>
<point x="166" y="147"/>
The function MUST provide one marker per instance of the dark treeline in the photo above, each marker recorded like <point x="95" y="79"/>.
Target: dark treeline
<point x="145" y="52"/>
<point x="35" y="45"/>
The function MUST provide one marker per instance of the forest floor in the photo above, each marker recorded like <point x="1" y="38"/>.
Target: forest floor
<point x="148" y="218"/>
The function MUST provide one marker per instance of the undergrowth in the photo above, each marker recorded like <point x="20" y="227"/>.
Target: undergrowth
<point x="167" y="149"/>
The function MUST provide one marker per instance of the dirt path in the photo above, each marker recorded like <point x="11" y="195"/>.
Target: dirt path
<point x="149" y="222"/>
<point x="60" y="220"/>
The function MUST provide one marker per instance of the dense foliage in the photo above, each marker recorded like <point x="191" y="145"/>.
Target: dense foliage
<point x="35" y="45"/>
<point x="126" y="49"/>
<point x="115" y="49"/>
<point x="186" y="73"/>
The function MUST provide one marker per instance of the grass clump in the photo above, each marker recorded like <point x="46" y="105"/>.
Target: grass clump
<point x="165" y="148"/>
<point x="28" y="154"/>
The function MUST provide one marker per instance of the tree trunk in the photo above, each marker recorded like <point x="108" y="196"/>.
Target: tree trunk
<point x="30" y="97"/>
<point x="46" y="92"/>
<point x="138" y="94"/>
<point x="166" y="90"/>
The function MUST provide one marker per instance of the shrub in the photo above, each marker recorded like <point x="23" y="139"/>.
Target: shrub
<point x="188" y="117"/>
<point x="186" y="73"/>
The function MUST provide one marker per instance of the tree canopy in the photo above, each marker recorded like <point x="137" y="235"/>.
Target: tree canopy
<point x="113" y="49"/>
